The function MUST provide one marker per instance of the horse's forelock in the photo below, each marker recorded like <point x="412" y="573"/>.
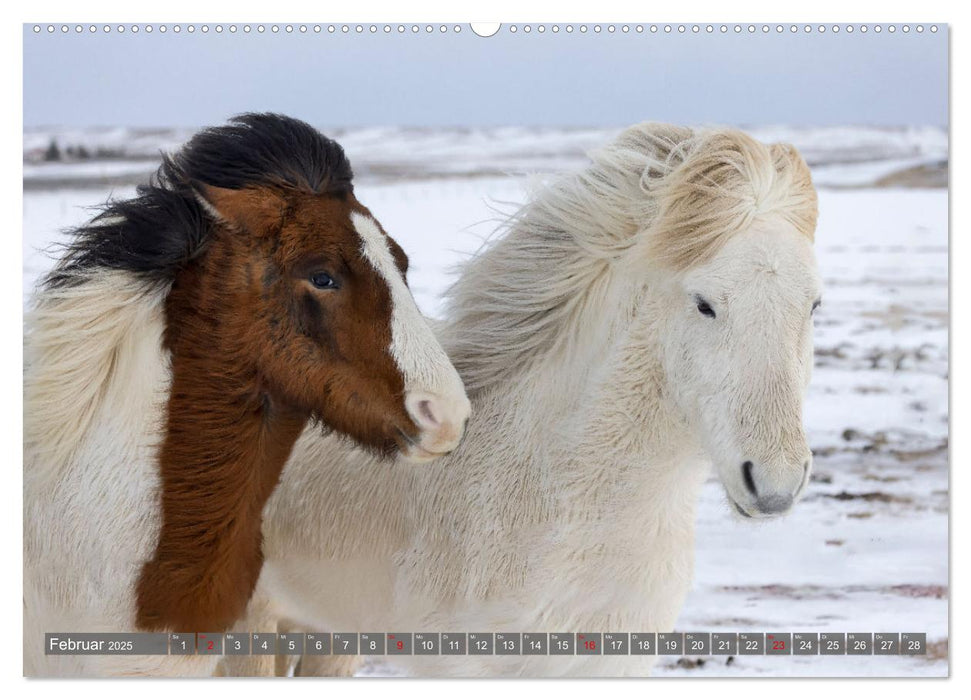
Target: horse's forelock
<point x="266" y="150"/>
<point x="725" y="182"/>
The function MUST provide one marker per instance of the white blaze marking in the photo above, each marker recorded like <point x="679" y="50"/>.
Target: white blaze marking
<point x="415" y="349"/>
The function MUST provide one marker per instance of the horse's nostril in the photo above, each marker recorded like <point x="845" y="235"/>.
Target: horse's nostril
<point x="426" y="411"/>
<point x="749" y="481"/>
<point x="441" y="418"/>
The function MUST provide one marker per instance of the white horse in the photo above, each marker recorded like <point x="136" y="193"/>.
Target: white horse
<point x="639" y="322"/>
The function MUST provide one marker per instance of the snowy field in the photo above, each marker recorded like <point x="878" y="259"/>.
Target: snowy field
<point x="867" y="548"/>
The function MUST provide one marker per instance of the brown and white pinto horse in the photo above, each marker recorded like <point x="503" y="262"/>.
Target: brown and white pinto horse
<point x="173" y="357"/>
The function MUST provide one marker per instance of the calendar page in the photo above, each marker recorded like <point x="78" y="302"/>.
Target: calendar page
<point x="456" y="350"/>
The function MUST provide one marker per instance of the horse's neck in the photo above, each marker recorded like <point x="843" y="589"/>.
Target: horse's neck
<point x="595" y="424"/>
<point x="617" y="488"/>
<point x="633" y="447"/>
<point x="219" y="462"/>
<point x="224" y="448"/>
<point x="96" y="377"/>
<point x="626" y="453"/>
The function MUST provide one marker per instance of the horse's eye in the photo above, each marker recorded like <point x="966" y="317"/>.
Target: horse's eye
<point x="321" y="280"/>
<point x="705" y="308"/>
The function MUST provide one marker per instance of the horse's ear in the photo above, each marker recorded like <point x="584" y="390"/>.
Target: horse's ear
<point x="257" y="210"/>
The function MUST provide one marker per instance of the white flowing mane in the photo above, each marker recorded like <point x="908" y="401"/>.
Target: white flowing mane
<point x="671" y="192"/>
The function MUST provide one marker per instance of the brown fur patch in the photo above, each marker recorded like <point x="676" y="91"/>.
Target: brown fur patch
<point x="257" y="350"/>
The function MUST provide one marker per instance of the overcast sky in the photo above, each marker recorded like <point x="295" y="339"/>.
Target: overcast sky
<point x="463" y="80"/>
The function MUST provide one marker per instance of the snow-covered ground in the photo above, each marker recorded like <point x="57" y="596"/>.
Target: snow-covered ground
<point x="867" y="549"/>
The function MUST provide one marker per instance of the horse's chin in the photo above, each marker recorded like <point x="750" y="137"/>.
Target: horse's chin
<point x="416" y="454"/>
<point x="416" y="449"/>
<point x="754" y="514"/>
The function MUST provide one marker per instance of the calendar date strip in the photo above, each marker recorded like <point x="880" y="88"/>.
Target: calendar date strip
<point x="491" y="643"/>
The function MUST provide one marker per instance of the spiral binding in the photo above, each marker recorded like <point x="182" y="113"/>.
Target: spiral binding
<point x="425" y="29"/>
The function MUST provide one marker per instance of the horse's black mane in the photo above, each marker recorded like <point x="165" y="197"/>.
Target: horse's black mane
<point x="164" y="225"/>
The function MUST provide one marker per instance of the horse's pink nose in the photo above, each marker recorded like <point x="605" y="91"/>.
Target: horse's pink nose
<point x="441" y="420"/>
